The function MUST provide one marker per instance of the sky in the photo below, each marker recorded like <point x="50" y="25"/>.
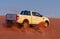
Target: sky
<point x="49" y="8"/>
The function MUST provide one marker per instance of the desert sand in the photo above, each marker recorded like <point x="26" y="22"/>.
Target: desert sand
<point x="51" y="32"/>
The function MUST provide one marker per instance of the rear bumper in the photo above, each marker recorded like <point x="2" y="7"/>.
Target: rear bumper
<point x="11" y="21"/>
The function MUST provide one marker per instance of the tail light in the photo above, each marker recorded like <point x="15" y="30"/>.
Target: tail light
<point x="17" y="17"/>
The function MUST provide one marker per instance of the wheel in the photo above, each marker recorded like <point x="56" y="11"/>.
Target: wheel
<point x="46" y="23"/>
<point x="25" y="24"/>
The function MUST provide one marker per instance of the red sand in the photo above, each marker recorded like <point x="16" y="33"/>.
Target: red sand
<point x="52" y="32"/>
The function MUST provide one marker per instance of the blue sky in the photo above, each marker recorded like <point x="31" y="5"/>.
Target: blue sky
<point x="49" y="8"/>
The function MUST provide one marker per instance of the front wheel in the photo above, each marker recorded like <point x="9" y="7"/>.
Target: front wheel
<point x="46" y="23"/>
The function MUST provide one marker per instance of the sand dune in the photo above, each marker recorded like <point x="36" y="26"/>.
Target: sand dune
<point x="52" y="32"/>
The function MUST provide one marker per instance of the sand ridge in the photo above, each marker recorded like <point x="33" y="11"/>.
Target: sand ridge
<point x="52" y="32"/>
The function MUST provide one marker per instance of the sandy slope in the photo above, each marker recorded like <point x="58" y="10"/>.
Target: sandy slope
<point x="52" y="32"/>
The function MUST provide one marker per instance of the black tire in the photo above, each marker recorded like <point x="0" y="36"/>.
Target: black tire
<point x="46" y="23"/>
<point x="25" y="24"/>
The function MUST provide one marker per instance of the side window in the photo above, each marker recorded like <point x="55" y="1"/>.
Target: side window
<point x="25" y="13"/>
<point x="22" y="13"/>
<point x="35" y="14"/>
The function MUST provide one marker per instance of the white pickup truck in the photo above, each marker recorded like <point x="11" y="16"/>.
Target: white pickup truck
<point x="26" y="18"/>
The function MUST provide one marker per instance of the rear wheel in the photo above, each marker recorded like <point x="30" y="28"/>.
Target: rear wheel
<point x="25" y="24"/>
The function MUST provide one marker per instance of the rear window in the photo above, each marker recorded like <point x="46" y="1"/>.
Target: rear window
<point x="25" y="13"/>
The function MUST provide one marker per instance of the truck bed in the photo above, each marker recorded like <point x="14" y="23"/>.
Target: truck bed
<point x="11" y="17"/>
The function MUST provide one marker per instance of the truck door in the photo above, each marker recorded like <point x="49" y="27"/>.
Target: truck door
<point x="36" y="18"/>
